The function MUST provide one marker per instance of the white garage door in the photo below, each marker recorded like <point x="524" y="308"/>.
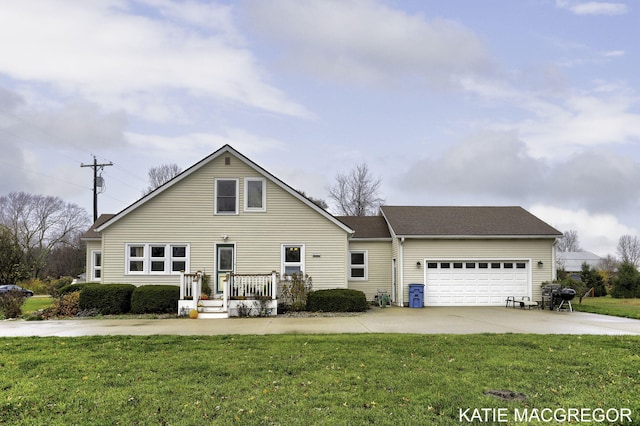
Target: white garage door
<point x="475" y="283"/>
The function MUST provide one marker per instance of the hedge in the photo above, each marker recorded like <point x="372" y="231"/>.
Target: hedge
<point x="107" y="298"/>
<point x="337" y="300"/>
<point x="155" y="299"/>
<point x="71" y="288"/>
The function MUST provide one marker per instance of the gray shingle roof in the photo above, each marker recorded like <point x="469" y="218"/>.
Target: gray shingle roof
<point x="366" y="226"/>
<point x="466" y="221"/>
<point x="91" y="232"/>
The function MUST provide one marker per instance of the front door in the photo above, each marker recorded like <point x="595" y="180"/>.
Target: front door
<point x="224" y="265"/>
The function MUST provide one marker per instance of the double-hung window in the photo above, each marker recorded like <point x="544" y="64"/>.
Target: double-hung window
<point x="255" y="195"/>
<point x="136" y="259"/>
<point x="358" y="265"/>
<point x="96" y="265"/>
<point x="226" y="196"/>
<point x="293" y="259"/>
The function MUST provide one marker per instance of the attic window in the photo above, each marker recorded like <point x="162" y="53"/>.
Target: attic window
<point x="226" y="198"/>
<point x="227" y="161"/>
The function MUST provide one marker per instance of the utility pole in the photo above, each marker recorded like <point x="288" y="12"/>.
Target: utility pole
<point x="95" y="167"/>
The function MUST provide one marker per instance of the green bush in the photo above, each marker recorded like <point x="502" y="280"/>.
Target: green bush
<point x="155" y="299"/>
<point x="337" y="300"/>
<point x="72" y="288"/>
<point x="107" y="298"/>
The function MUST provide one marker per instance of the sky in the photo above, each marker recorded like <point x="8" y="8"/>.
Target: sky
<point x="533" y="103"/>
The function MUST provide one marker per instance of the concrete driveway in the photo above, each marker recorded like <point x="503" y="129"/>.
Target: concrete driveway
<point x="389" y="320"/>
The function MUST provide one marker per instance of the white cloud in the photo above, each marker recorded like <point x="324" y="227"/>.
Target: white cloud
<point x="195" y="146"/>
<point x="366" y="41"/>
<point x="593" y="7"/>
<point x="598" y="233"/>
<point x="109" y="52"/>
<point x="614" y="53"/>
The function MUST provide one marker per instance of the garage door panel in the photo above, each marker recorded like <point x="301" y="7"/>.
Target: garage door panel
<point x="480" y="283"/>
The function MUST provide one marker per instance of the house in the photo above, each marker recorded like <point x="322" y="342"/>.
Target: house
<point x="571" y="261"/>
<point x="228" y="218"/>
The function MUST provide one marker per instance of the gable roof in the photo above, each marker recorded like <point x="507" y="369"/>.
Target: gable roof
<point x="226" y="149"/>
<point x="367" y="227"/>
<point x="91" y="233"/>
<point x="573" y="260"/>
<point x="466" y="222"/>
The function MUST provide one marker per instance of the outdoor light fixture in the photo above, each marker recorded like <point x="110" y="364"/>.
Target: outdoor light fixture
<point x="418" y="264"/>
<point x="540" y="263"/>
<point x="224" y="237"/>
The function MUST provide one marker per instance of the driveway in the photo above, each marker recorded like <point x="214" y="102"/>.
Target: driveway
<point x="389" y="320"/>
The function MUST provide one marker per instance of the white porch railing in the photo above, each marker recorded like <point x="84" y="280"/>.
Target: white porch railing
<point x="253" y="286"/>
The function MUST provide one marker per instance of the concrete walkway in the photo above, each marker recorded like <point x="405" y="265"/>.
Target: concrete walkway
<point x="389" y="320"/>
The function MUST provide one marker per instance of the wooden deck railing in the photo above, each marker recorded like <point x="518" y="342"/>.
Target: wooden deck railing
<point x="253" y="286"/>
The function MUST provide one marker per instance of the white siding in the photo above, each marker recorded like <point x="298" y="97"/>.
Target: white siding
<point x="535" y="249"/>
<point x="185" y="214"/>
<point x="378" y="264"/>
<point x="92" y="245"/>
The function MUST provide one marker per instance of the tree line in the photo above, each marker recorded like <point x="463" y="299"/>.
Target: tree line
<point x="617" y="276"/>
<point x="40" y="237"/>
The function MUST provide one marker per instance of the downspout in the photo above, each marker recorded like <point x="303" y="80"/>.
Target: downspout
<point x="401" y="295"/>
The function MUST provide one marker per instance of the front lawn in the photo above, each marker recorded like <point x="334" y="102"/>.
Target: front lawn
<point x="310" y="379"/>
<point x="628" y="308"/>
<point x="35" y="303"/>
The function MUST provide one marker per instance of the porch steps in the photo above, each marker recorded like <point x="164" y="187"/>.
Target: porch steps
<point x="212" y="309"/>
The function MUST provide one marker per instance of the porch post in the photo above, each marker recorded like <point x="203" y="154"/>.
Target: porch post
<point x="181" y="285"/>
<point x="274" y="285"/>
<point x="225" y="290"/>
<point x="196" y="286"/>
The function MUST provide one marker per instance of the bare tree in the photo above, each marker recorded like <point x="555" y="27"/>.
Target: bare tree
<point x="317" y="201"/>
<point x="569" y="241"/>
<point x="160" y="175"/>
<point x="40" y="223"/>
<point x="629" y="249"/>
<point x="357" y="193"/>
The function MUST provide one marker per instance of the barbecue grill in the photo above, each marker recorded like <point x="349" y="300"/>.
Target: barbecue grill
<point x="557" y="298"/>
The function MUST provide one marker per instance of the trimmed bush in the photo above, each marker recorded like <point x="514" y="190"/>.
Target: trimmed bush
<point x="108" y="299"/>
<point x="155" y="299"/>
<point x="337" y="300"/>
<point x="71" y="288"/>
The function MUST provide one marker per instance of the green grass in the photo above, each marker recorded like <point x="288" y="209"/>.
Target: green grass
<point x="308" y="379"/>
<point x="628" y="308"/>
<point x="33" y="304"/>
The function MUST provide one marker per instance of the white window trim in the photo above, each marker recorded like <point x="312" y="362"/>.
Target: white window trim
<point x="215" y="196"/>
<point x="365" y="266"/>
<point x="95" y="268"/>
<point x="128" y="258"/>
<point x="246" y="194"/>
<point x="282" y="258"/>
<point x="146" y="259"/>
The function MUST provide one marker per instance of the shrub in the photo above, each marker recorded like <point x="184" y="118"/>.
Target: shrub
<point x="55" y="285"/>
<point x="155" y="299"/>
<point x="337" y="300"/>
<point x="72" y="288"/>
<point x="627" y="284"/>
<point x="11" y="304"/>
<point x="107" y="298"/>
<point x="65" y="306"/>
<point x="36" y="285"/>
<point x="293" y="292"/>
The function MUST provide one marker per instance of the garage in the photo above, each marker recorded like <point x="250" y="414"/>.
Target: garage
<point x="475" y="282"/>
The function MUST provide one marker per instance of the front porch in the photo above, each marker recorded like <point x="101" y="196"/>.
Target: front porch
<point x="242" y="295"/>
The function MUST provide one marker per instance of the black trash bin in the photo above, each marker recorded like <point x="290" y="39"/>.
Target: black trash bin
<point x="416" y="295"/>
